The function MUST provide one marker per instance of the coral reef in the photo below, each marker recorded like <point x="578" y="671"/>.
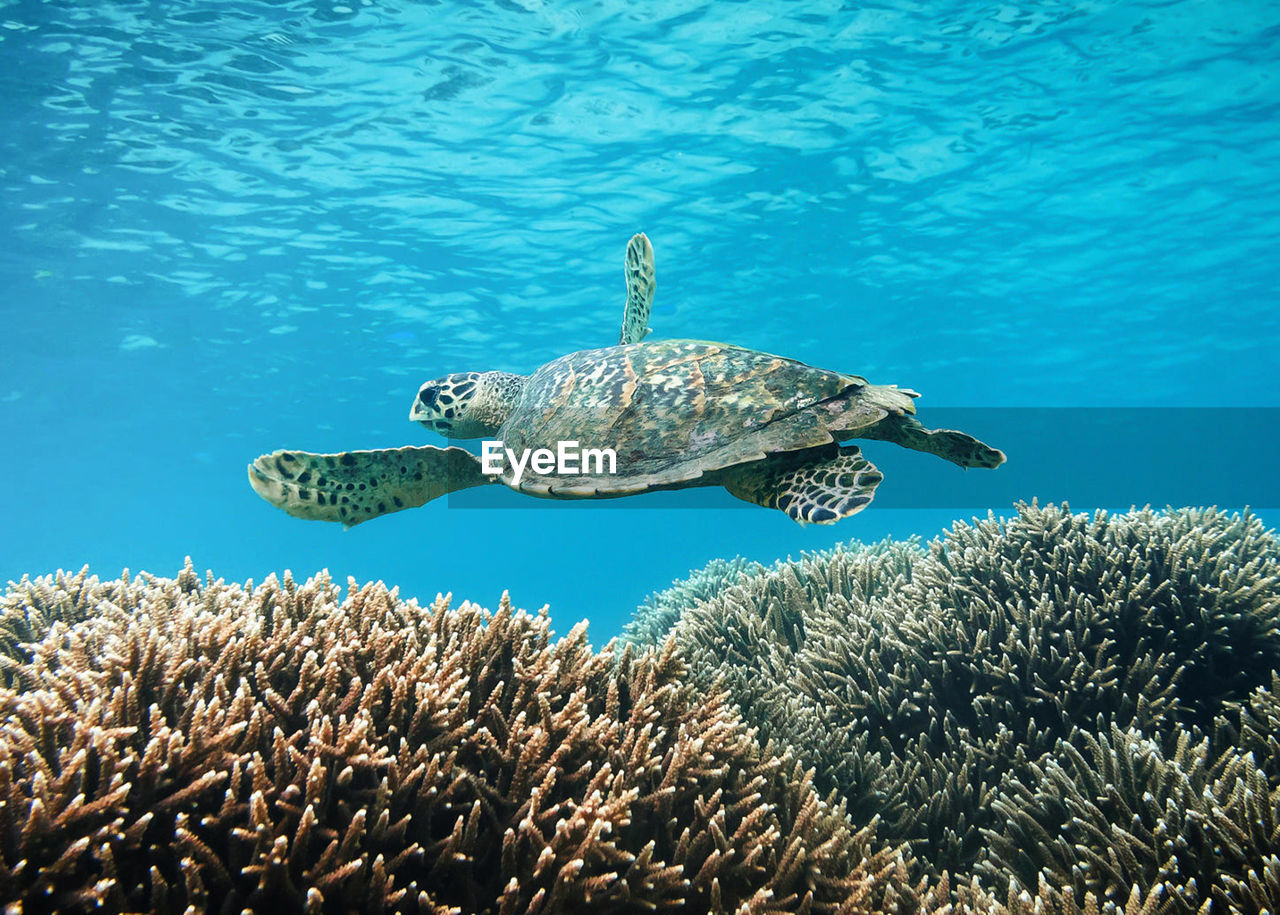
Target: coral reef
<point x="654" y="617"/>
<point x="660" y="612"/>
<point x="987" y="699"/>
<point x="28" y="609"/>
<point x="1104" y="812"/>
<point x="187" y="745"/>
<point x="1054" y="713"/>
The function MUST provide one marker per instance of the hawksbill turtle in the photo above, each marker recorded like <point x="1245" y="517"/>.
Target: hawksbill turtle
<point x="676" y="413"/>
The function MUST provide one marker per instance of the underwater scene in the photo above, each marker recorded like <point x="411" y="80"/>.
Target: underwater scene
<point x="543" y="456"/>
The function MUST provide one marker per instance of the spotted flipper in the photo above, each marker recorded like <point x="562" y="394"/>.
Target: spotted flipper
<point x="956" y="447"/>
<point x="354" y="486"/>
<point x="640" y="286"/>
<point x="820" y="487"/>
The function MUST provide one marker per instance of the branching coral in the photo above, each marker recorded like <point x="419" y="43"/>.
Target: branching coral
<point x="191" y="744"/>
<point x="869" y="564"/>
<point x="753" y="638"/>
<point x="654" y="618"/>
<point x="1086" y="706"/>
<point x="1103" y="813"/>
<point x="925" y="691"/>
<point x="30" y="607"/>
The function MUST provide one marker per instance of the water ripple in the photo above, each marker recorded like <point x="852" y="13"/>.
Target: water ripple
<point x="944" y="192"/>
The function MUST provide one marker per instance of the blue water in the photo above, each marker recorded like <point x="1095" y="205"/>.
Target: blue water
<point x="229" y="227"/>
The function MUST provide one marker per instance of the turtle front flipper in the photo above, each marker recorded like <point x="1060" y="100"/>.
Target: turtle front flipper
<point x="354" y="486"/>
<point x="640" y="287"/>
<point x="820" y="486"/>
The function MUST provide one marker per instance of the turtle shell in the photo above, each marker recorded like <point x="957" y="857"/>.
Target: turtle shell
<point x="673" y="411"/>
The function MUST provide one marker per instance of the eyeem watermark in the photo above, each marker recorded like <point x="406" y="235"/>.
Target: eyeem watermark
<point x="566" y="460"/>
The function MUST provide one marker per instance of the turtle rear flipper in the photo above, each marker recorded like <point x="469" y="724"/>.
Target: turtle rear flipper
<point x="956" y="447"/>
<point x="820" y="487"/>
<point x="354" y="486"/>
<point x="640" y="287"/>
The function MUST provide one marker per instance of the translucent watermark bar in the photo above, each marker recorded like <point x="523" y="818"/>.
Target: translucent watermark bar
<point x="1115" y="456"/>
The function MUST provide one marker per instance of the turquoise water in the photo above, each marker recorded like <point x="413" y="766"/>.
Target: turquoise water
<point x="232" y="227"/>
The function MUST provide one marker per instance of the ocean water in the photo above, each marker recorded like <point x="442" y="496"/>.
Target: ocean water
<point x="232" y="227"/>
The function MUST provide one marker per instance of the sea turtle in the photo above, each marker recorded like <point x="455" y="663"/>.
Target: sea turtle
<point x="676" y="413"/>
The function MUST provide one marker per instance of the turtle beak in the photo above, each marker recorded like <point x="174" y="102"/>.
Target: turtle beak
<point x="423" y="409"/>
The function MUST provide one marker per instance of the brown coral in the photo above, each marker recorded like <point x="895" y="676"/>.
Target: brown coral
<point x="177" y="743"/>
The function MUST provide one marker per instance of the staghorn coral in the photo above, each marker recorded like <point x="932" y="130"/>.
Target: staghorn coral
<point x="654" y="618"/>
<point x="751" y="640"/>
<point x="1050" y="899"/>
<point x="926" y="690"/>
<point x="30" y="607"/>
<point x="176" y="745"/>
<point x="660" y="612"/>
<point x="1107" y="812"/>
<point x="1054" y="900"/>
<point x="1251" y="729"/>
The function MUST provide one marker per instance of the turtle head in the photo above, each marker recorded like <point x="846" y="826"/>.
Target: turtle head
<point x="467" y="404"/>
